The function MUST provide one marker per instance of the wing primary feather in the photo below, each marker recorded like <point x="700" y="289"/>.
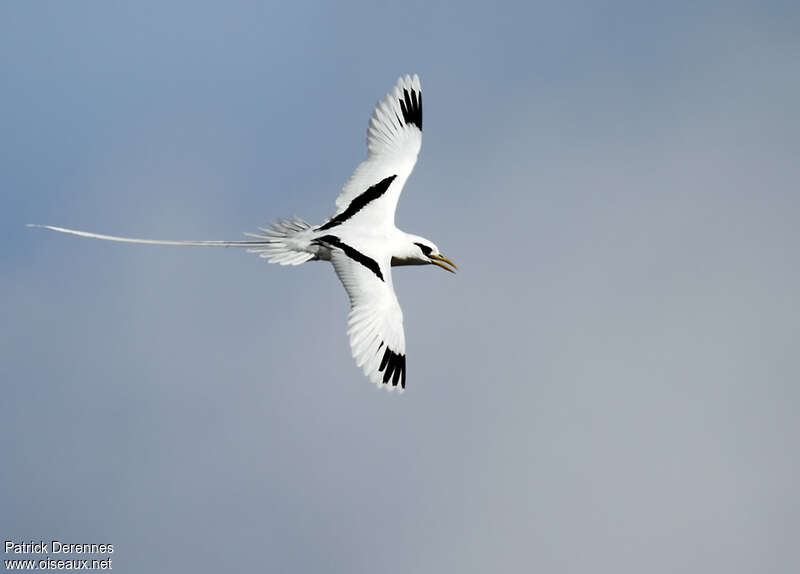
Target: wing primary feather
<point x="385" y="360"/>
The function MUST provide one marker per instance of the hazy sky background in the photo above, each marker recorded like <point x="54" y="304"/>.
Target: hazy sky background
<point x="610" y="384"/>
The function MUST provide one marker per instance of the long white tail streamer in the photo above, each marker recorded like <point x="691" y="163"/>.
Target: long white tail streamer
<point x="149" y="241"/>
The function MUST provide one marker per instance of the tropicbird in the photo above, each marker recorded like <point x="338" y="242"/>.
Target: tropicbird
<point x="360" y="239"/>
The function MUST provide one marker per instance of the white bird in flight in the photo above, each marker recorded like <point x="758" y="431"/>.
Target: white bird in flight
<point x="360" y="240"/>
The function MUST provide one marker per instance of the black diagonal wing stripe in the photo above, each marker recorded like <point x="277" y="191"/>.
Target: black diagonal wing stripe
<point x="372" y="193"/>
<point x="353" y="254"/>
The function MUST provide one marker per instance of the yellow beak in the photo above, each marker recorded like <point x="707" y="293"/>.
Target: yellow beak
<point x="440" y="260"/>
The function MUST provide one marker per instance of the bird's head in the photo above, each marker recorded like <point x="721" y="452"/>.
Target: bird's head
<point x="421" y="251"/>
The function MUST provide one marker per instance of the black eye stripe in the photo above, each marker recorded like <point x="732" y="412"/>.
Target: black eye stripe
<point x="425" y="249"/>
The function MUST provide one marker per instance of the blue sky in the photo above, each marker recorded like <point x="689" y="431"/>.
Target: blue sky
<point x="608" y="384"/>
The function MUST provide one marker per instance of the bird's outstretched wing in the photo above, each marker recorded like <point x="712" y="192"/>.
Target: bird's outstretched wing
<point x="394" y="138"/>
<point x="375" y="322"/>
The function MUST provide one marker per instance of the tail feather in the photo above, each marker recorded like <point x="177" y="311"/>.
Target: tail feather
<point x="278" y="243"/>
<point x="145" y="241"/>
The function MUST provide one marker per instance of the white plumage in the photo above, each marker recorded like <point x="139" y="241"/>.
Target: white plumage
<point x="360" y="239"/>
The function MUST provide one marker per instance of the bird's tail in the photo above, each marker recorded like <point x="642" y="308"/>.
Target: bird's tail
<point x="281" y="242"/>
<point x="278" y="243"/>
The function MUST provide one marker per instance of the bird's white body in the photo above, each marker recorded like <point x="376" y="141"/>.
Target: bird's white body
<point x="375" y="243"/>
<point x="360" y="239"/>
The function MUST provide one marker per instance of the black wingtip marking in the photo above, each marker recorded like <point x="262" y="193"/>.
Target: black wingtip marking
<point x="385" y="359"/>
<point x="353" y="254"/>
<point x="411" y="106"/>
<point x="393" y="366"/>
<point x="371" y="194"/>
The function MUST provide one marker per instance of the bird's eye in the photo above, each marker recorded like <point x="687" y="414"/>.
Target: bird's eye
<point x="424" y="248"/>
